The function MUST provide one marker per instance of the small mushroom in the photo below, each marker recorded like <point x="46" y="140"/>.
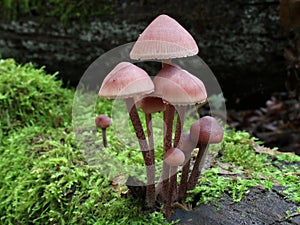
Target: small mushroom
<point x="164" y="38"/>
<point x="174" y="157"/>
<point x="103" y="122"/>
<point x="126" y="81"/>
<point x="204" y="131"/>
<point x="178" y="88"/>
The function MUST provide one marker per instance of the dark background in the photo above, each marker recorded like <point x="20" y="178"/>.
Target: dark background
<point x="241" y="41"/>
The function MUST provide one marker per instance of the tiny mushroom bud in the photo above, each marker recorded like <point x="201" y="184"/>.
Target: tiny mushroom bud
<point x="103" y="121"/>
<point x="174" y="157"/>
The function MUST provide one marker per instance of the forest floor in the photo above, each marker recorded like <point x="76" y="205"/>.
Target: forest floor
<point x="277" y="124"/>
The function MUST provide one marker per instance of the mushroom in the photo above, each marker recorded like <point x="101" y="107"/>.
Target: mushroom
<point x="204" y="131"/>
<point x="177" y="87"/>
<point x="103" y="121"/>
<point x="124" y="82"/>
<point x="164" y="38"/>
<point x="173" y="157"/>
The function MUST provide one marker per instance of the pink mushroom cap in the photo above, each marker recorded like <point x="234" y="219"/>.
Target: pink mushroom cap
<point x="206" y="130"/>
<point x="178" y="87"/>
<point x="102" y="121"/>
<point x="174" y="157"/>
<point x="124" y="81"/>
<point x="164" y="38"/>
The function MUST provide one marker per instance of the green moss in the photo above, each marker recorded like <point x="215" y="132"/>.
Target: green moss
<point x="29" y="96"/>
<point x="44" y="180"/>
<point x="44" y="177"/>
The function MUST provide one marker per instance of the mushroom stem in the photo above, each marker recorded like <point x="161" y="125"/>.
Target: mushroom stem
<point x="168" y="123"/>
<point x="172" y="190"/>
<point x="104" y="137"/>
<point x="136" y="122"/>
<point x="192" y="182"/>
<point x="179" y="124"/>
<point x="150" y="136"/>
<point x="184" y="177"/>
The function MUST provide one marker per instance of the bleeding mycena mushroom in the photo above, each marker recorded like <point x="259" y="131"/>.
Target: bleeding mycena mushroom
<point x="164" y="38"/>
<point x="178" y="88"/>
<point x="204" y="131"/>
<point x="126" y="81"/>
<point x="103" y="122"/>
<point x="173" y="157"/>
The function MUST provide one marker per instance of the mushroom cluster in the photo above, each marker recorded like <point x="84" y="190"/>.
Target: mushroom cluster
<point x="170" y="92"/>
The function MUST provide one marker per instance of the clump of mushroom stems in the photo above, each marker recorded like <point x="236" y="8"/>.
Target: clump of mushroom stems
<point x="148" y="157"/>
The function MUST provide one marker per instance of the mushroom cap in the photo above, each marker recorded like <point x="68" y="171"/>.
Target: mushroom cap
<point x="164" y="38"/>
<point x="124" y="81"/>
<point x="174" y="157"/>
<point x="150" y="104"/>
<point x="102" y="121"/>
<point x="206" y="130"/>
<point x="178" y="86"/>
<point x="185" y="143"/>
